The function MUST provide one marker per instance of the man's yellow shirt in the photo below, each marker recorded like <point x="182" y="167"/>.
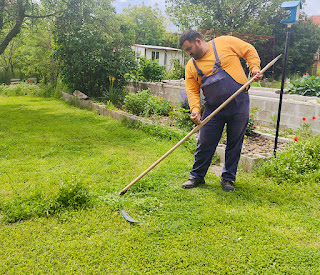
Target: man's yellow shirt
<point x="229" y="50"/>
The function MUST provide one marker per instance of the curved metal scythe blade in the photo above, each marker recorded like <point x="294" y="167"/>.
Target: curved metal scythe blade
<point x="127" y="217"/>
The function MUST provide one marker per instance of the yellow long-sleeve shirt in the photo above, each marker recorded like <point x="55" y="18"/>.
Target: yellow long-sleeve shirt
<point x="229" y="49"/>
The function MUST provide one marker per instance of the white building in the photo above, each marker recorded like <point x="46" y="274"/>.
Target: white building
<point x="164" y="54"/>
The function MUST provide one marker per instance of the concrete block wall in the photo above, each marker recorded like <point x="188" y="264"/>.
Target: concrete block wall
<point x="167" y="90"/>
<point x="294" y="107"/>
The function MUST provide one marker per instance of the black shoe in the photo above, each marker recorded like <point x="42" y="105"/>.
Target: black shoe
<point x="227" y="185"/>
<point x="192" y="183"/>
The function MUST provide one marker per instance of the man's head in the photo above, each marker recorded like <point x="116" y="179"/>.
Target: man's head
<point x="193" y="44"/>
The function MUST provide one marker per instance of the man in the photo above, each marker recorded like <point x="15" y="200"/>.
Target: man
<point x="216" y="69"/>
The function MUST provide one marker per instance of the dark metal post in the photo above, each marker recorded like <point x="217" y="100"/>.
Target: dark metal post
<point x="282" y="87"/>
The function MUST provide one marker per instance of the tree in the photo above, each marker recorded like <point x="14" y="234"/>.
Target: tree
<point x="93" y="46"/>
<point x="226" y="15"/>
<point x="147" y="24"/>
<point x="35" y="55"/>
<point x="304" y="42"/>
<point x="250" y="16"/>
<point x="12" y="17"/>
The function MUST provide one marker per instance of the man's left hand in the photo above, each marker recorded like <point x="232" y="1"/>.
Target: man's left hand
<point x="257" y="75"/>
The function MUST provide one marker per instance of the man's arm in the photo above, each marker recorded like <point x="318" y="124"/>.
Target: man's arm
<point x="193" y="93"/>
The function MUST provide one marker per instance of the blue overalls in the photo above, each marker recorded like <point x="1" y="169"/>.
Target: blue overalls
<point x="216" y="89"/>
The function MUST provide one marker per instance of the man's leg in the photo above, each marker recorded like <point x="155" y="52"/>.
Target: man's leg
<point x="209" y="137"/>
<point x="236" y="129"/>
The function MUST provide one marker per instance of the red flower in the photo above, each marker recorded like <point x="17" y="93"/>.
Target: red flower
<point x="313" y="117"/>
<point x="304" y="74"/>
<point x="298" y="71"/>
<point x="295" y="139"/>
<point x="304" y="119"/>
<point x="254" y="127"/>
<point x="307" y="71"/>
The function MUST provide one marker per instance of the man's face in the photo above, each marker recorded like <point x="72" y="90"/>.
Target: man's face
<point x="193" y="48"/>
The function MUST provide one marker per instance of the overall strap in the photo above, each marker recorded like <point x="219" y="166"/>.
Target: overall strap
<point x="199" y="72"/>
<point x="217" y="64"/>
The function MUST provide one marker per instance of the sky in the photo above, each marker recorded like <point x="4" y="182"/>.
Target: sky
<point x="311" y="7"/>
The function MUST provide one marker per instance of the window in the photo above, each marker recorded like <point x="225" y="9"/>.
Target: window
<point x="155" y="55"/>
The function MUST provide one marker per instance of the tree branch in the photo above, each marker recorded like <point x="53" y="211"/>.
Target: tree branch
<point x="16" y="28"/>
<point x="40" y="16"/>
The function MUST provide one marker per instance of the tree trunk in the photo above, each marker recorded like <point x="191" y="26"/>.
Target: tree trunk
<point x="16" y="28"/>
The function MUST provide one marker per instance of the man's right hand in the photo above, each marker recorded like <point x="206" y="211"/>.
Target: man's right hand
<point x="195" y="117"/>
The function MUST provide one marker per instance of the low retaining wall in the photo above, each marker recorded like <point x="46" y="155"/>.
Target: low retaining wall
<point x="87" y="103"/>
<point x="294" y="107"/>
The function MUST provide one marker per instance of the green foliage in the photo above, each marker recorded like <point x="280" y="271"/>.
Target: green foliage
<point x="145" y="104"/>
<point x="92" y="43"/>
<point x="252" y="17"/>
<point x="71" y="196"/>
<point x="216" y="15"/>
<point x="177" y="71"/>
<point x="114" y="95"/>
<point x="182" y="118"/>
<point x="306" y="85"/>
<point x="147" y="24"/>
<point x="300" y="162"/>
<point x="252" y="121"/>
<point x="149" y="70"/>
<point x="25" y="88"/>
<point x="304" y="42"/>
<point x="21" y="89"/>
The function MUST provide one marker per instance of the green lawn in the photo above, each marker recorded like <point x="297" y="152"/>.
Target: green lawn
<point x="261" y="228"/>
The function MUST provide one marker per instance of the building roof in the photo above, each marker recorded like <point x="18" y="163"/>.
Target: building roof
<point x="316" y="19"/>
<point x="157" y="47"/>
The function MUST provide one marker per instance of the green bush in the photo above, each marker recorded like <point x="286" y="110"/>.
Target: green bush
<point x="306" y="85"/>
<point x="145" y="104"/>
<point x="149" y="70"/>
<point x="298" y="162"/>
<point x="177" y="71"/>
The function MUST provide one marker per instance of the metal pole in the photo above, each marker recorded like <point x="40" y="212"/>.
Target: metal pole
<point x="282" y="87"/>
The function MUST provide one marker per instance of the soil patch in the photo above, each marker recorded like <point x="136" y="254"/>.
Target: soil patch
<point x="259" y="144"/>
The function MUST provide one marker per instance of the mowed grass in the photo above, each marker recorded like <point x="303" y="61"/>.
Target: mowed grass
<point x="261" y="228"/>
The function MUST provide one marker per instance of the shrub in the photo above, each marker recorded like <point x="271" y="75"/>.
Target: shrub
<point x="306" y="85"/>
<point x="149" y="70"/>
<point x="145" y="104"/>
<point x="177" y="71"/>
<point x="298" y="162"/>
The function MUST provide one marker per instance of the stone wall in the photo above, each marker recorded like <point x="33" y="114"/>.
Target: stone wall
<point x="294" y="107"/>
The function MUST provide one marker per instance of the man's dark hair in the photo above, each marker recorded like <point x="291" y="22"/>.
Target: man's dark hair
<point x="190" y="35"/>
